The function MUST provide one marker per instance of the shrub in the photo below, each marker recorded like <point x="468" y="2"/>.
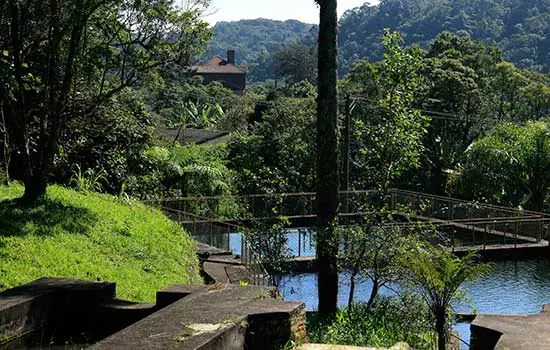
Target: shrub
<point x="388" y="321"/>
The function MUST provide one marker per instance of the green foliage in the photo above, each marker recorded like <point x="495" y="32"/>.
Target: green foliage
<point x="270" y="242"/>
<point x="296" y="62"/>
<point x="170" y="98"/>
<point x="388" y="131"/>
<point x="109" y="142"/>
<point x="455" y="84"/>
<point x="200" y="115"/>
<point x="256" y="40"/>
<point x="437" y="275"/>
<point x="277" y="155"/>
<point x="182" y="171"/>
<point x="93" y="51"/>
<point x="95" y="237"/>
<point x="509" y="166"/>
<point x="372" y="250"/>
<point x="87" y="181"/>
<point x="388" y="321"/>
<point x="519" y="28"/>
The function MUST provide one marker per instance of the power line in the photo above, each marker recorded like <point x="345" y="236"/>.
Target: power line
<point x="438" y="115"/>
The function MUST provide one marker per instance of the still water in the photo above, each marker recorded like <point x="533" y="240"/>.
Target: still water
<point x="511" y="287"/>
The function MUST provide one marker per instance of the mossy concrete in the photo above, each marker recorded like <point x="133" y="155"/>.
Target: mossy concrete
<point x="229" y="317"/>
<point x="218" y="316"/>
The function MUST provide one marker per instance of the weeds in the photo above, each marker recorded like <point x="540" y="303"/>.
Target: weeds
<point x="388" y="321"/>
<point x="87" y="181"/>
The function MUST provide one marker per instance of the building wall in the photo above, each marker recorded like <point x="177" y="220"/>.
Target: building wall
<point x="232" y="81"/>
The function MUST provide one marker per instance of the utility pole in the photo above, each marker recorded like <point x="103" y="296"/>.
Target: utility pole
<point x="346" y="155"/>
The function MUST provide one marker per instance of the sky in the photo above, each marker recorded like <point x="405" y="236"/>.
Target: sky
<point x="302" y="10"/>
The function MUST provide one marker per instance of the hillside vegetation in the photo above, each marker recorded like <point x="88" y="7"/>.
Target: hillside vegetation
<point x="94" y="237"/>
<point x="256" y="40"/>
<point x="521" y="28"/>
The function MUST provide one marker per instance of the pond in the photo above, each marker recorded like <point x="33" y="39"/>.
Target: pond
<point x="512" y="287"/>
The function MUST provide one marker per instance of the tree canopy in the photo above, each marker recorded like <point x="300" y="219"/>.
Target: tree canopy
<point x="520" y="28"/>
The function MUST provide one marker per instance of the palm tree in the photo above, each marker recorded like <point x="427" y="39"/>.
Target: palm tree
<point x="438" y="275"/>
<point x="327" y="157"/>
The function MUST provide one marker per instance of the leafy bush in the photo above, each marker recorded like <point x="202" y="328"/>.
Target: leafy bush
<point x="182" y="171"/>
<point x="109" y="142"/>
<point x="388" y="321"/>
<point x="278" y="155"/>
<point x="94" y="237"/>
<point x="509" y="166"/>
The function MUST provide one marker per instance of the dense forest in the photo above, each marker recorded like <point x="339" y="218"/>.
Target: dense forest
<point x="521" y="28"/>
<point x="257" y="40"/>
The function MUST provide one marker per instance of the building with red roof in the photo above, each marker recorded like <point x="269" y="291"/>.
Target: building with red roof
<point x="226" y="71"/>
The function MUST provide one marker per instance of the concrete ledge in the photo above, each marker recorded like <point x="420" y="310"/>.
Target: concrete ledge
<point x="221" y="316"/>
<point x="59" y="303"/>
<point x="512" y="332"/>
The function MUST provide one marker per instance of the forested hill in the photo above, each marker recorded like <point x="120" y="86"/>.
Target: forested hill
<point x="256" y="39"/>
<point x="521" y="28"/>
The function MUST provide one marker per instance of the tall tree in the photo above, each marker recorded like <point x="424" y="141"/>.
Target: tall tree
<point x="91" y="51"/>
<point x="328" y="181"/>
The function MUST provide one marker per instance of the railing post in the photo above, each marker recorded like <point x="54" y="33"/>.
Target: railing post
<point x="228" y="237"/>
<point x="516" y="235"/>
<point x="453" y="243"/>
<point x="243" y="260"/>
<point x="211" y="235"/>
<point x="485" y="238"/>
<point x="299" y="243"/>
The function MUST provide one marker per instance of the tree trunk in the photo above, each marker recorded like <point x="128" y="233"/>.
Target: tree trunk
<point x="327" y="159"/>
<point x="351" y="289"/>
<point x="6" y="152"/>
<point x="373" y="293"/>
<point x="441" y="328"/>
<point x="35" y="188"/>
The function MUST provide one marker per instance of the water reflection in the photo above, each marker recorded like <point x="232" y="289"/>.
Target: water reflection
<point x="512" y="287"/>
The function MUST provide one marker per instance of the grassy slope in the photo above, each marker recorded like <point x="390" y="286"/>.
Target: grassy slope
<point x="94" y="237"/>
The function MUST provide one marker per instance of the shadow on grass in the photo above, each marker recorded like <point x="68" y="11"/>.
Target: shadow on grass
<point x="43" y="219"/>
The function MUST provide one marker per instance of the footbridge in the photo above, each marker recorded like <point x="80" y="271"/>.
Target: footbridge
<point x="222" y="221"/>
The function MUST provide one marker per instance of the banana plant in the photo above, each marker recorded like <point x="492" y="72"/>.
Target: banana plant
<point x="198" y="115"/>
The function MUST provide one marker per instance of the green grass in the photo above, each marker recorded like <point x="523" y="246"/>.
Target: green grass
<point x="94" y="237"/>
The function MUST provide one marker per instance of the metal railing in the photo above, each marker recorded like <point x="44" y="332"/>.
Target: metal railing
<point x="214" y="220"/>
<point x="222" y="235"/>
<point x="483" y="221"/>
<point x="262" y="206"/>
